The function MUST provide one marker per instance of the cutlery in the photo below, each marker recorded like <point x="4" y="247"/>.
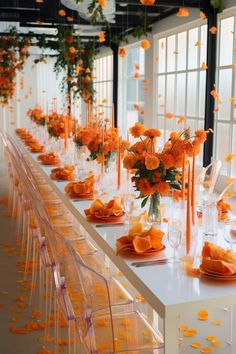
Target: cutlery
<point x="148" y="263"/>
<point x="110" y="225"/>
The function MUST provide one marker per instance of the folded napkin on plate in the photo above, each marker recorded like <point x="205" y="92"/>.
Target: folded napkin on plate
<point x="36" y="147"/>
<point x="216" y="260"/>
<point x="140" y="240"/>
<point x="49" y="158"/>
<point x="103" y="210"/>
<point x="64" y="173"/>
<point x="82" y="188"/>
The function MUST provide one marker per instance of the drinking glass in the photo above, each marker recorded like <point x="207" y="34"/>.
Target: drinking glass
<point x="129" y="205"/>
<point x="229" y="232"/>
<point x="174" y="235"/>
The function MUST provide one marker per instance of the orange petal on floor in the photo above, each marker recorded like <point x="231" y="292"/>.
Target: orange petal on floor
<point x="196" y="345"/>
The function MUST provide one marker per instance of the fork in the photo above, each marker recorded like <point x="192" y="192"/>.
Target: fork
<point x="149" y="263"/>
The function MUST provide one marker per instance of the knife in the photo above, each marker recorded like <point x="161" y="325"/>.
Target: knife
<point x="110" y="225"/>
<point x="147" y="263"/>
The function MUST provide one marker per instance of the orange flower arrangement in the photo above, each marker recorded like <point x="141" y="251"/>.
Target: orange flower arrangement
<point x="156" y="172"/>
<point x="36" y="115"/>
<point x="56" y="125"/>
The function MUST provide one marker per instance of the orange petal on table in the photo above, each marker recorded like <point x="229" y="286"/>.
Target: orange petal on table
<point x="137" y="67"/>
<point x="19" y="299"/>
<point x="4" y="292"/>
<point x="210" y="338"/>
<point x="141" y="244"/>
<point x="15" y="330"/>
<point x="196" y="345"/>
<point x="206" y="350"/>
<point x="228" y="179"/>
<point x="45" y="351"/>
<point x="203" y="315"/>
<point x="146" y="88"/>
<point x="140" y="298"/>
<point x="146" y="81"/>
<point x="217" y="322"/>
<point x="156" y="237"/>
<point x="183" y="328"/>
<point x="229" y="157"/>
<point x="165" y="220"/>
<point x="216" y="343"/>
<point x="190" y="332"/>
<point x="169" y="115"/>
<point x="36" y="314"/>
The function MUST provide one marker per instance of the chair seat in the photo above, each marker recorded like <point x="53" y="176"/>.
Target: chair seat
<point x="131" y="333"/>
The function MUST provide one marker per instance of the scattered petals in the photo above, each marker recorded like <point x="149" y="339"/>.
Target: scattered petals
<point x="203" y="315"/>
<point x="217" y="322"/>
<point x="169" y="115"/>
<point x="183" y="12"/>
<point x="181" y="119"/>
<point x="198" y="44"/>
<point x="213" y="30"/>
<point x="202" y="15"/>
<point x="196" y="345"/>
<point x="206" y="350"/>
<point x="204" y="66"/>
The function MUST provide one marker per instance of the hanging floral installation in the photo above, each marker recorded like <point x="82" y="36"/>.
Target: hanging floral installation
<point x="13" y="52"/>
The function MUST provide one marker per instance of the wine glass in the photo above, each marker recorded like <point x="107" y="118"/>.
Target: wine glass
<point x="229" y="232"/>
<point x="129" y="205"/>
<point x="174" y="235"/>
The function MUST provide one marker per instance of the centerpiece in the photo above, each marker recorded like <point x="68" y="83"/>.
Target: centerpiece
<point x="156" y="174"/>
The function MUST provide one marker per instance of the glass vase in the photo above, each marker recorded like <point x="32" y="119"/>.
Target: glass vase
<point x="154" y="213"/>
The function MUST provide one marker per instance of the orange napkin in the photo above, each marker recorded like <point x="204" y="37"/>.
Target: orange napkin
<point x="218" y="261"/>
<point x="49" y="158"/>
<point x="36" y="147"/>
<point x="81" y="189"/>
<point x="140" y="240"/>
<point x="64" y="173"/>
<point x="104" y="210"/>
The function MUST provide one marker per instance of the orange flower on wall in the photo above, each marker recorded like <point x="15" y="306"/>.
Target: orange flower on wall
<point x="101" y="38"/>
<point x="122" y="52"/>
<point x="183" y="12"/>
<point x="61" y="13"/>
<point x="213" y="30"/>
<point x="102" y="3"/>
<point x="145" y="44"/>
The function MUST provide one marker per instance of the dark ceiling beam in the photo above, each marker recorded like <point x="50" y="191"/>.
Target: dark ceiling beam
<point x="20" y="9"/>
<point x="136" y="13"/>
<point x="169" y="3"/>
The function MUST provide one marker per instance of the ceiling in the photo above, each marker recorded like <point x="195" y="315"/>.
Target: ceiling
<point x="35" y="16"/>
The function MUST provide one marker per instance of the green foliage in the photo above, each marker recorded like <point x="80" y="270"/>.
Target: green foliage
<point x="217" y="4"/>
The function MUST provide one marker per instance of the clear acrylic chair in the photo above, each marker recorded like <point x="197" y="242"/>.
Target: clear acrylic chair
<point x="104" y="328"/>
<point x="229" y="195"/>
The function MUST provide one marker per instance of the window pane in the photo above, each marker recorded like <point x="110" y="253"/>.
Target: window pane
<point x="180" y="94"/>
<point x="202" y="93"/>
<point x="131" y="90"/>
<point x="170" y="98"/>
<point x="192" y="49"/>
<point x="170" y="53"/>
<point x="233" y="163"/>
<point x="192" y="93"/>
<point x="226" y="41"/>
<point x="222" y="146"/>
<point x="225" y="81"/>
<point x="182" y="47"/>
<point x="203" y="48"/>
<point x="161" y="94"/>
<point x="161" y="56"/>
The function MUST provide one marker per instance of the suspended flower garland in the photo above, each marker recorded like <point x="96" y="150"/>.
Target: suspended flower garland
<point x="13" y="52"/>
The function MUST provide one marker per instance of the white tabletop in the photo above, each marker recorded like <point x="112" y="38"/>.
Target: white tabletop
<point x="165" y="287"/>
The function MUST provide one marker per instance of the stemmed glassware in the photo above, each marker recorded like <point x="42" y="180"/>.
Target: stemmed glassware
<point x="229" y="232"/>
<point x="129" y="205"/>
<point x="174" y="235"/>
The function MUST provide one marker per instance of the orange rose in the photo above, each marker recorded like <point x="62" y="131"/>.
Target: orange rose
<point x="72" y="50"/>
<point x="183" y="12"/>
<point x="137" y="130"/>
<point x="93" y="146"/>
<point x="156" y="177"/>
<point x="147" y="2"/>
<point x="151" y="162"/>
<point x="101" y="38"/>
<point x="202" y="135"/>
<point x="163" y="188"/>
<point x="145" y="187"/>
<point x="138" y="147"/>
<point x="129" y="161"/>
<point x="152" y="133"/>
<point x="62" y="13"/>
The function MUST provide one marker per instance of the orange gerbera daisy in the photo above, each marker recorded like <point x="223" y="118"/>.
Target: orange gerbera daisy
<point x="163" y="188"/>
<point x="152" y="133"/>
<point x="145" y="44"/>
<point x="151" y="162"/>
<point x="137" y="130"/>
<point x="129" y="161"/>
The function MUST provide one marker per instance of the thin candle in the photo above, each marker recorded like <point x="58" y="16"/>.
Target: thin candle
<point x="183" y="176"/>
<point x="119" y="165"/>
<point x="127" y="170"/>
<point x="188" y="213"/>
<point x="66" y="131"/>
<point x="193" y="190"/>
<point x="102" y="163"/>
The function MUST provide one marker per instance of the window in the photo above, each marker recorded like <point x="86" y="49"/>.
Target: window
<point x="131" y="87"/>
<point x="180" y="79"/>
<point x="225" y="106"/>
<point x="103" y="84"/>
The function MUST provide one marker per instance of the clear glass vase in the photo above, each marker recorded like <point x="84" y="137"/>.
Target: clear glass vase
<point x="154" y="213"/>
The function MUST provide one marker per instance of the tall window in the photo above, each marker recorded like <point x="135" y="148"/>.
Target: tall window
<point x="180" y="79"/>
<point x="103" y="84"/>
<point x="225" y="105"/>
<point x="131" y="87"/>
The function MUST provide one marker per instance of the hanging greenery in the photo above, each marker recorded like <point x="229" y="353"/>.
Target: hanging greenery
<point x="217" y="4"/>
<point x="13" y="52"/>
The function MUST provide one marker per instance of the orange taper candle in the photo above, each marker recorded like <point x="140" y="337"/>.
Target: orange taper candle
<point x="66" y="131"/>
<point x="119" y="165"/>
<point x="102" y="163"/>
<point x="188" y="213"/>
<point x="183" y="176"/>
<point x="193" y="190"/>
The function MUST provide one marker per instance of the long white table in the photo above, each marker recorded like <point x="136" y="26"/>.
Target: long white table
<point x="165" y="287"/>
